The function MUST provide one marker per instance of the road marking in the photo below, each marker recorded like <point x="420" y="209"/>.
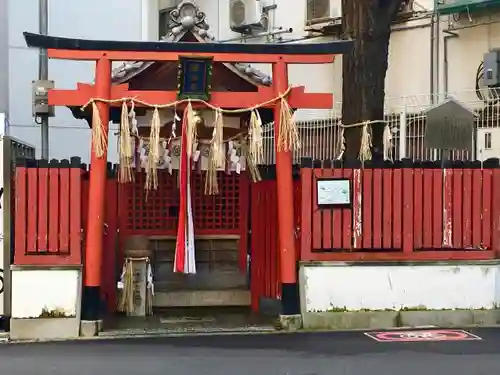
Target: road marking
<point x="423" y="335"/>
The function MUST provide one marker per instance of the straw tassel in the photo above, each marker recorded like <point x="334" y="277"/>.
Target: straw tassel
<point x="125" y="149"/>
<point x="255" y="149"/>
<point x="154" y="152"/>
<point x="365" y="152"/>
<point x="288" y="136"/>
<point x="126" y="301"/>
<point x="251" y="165"/>
<point x="216" y="156"/>
<point x="99" y="137"/>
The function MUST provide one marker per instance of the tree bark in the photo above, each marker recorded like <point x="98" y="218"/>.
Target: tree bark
<point x="368" y="24"/>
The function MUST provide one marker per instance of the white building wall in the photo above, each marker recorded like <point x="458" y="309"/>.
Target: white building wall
<point x="408" y="78"/>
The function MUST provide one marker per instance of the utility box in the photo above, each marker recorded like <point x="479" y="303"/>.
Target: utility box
<point x="40" y="90"/>
<point x="491" y="75"/>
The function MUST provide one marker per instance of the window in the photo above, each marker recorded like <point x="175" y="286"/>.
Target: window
<point x="487" y="141"/>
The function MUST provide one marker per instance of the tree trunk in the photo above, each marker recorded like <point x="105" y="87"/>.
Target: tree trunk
<point x="368" y="24"/>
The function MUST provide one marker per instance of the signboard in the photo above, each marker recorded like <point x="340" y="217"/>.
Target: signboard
<point x="449" y="126"/>
<point x="333" y="192"/>
<point x="422" y="335"/>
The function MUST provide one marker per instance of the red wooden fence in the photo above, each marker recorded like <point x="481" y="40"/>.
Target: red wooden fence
<point x="47" y="212"/>
<point x="264" y="268"/>
<point x="405" y="210"/>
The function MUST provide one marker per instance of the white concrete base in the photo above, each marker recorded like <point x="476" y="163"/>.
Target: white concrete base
<point x="45" y="302"/>
<point x="90" y="328"/>
<point x="44" y="329"/>
<point x="341" y="295"/>
<point x="341" y="286"/>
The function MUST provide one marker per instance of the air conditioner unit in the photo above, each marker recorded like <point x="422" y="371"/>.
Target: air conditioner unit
<point x="246" y="16"/>
<point x="323" y="11"/>
<point x="406" y="7"/>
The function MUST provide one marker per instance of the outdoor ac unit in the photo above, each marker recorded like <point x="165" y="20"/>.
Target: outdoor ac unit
<point x="323" y="11"/>
<point x="406" y="7"/>
<point x="246" y="17"/>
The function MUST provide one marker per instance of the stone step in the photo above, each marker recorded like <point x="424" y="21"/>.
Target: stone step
<point x="195" y="298"/>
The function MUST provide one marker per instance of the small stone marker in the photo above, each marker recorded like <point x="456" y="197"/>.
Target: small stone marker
<point x="423" y="335"/>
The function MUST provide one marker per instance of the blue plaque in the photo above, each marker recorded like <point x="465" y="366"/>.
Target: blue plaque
<point x="195" y="78"/>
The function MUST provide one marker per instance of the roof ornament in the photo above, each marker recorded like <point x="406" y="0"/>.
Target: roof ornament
<point x="187" y="16"/>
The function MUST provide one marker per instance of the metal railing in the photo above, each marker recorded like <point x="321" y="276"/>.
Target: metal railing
<point x="406" y="117"/>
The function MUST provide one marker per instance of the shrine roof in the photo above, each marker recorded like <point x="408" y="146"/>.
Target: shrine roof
<point x="180" y="25"/>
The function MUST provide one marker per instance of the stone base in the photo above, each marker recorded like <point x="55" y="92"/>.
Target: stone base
<point x="90" y="328"/>
<point x="290" y="322"/>
<point x="44" y="329"/>
<point x="398" y="319"/>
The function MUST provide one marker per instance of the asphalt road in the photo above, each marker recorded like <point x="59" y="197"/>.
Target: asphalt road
<point x="280" y="354"/>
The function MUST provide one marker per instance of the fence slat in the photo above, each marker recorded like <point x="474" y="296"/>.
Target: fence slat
<point x="437" y="208"/>
<point x="479" y="178"/>
<point x="347" y="216"/>
<point x="43" y="209"/>
<point x="357" y="209"/>
<point x="387" y="212"/>
<point x="467" y="208"/>
<point x="407" y="210"/>
<point x="337" y="214"/>
<point x="367" y="205"/>
<point x="491" y="184"/>
<point x="32" y="214"/>
<point x="20" y="211"/>
<point x="306" y="213"/>
<point x="54" y="210"/>
<point x="327" y="217"/>
<point x="64" y="204"/>
<point x="317" y="237"/>
<point x="418" y="207"/>
<point x="75" y="218"/>
<point x="397" y="204"/>
<point x="428" y="218"/>
<point x="457" y="208"/>
<point x="377" y="213"/>
<point x="493" y="189"/>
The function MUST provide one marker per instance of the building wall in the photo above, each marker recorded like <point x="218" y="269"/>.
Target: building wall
<point x="408" y="82"/>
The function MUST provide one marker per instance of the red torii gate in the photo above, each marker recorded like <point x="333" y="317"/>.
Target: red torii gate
<point x="105" y="52"/>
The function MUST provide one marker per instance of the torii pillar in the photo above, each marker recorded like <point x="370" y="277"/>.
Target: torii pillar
<point x="286" y="226"/>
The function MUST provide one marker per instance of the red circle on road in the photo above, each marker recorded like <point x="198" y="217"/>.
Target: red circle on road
<point x="434" y="335"/>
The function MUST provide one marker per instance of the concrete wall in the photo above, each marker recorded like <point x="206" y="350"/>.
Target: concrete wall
<point x="45" y="302"/>
<point x="354" y="287"/>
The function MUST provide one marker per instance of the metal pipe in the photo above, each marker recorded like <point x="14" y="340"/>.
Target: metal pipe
<point x="431" y="72"/>
<point x="43" y="72"/>
<point x="438" y="49"/>
<point x="448" y="36"/>
<point x="260" y="35"/>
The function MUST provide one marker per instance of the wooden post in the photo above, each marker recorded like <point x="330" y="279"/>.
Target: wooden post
<point x="286" y="228"/>
<point x="96" y="206"/>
